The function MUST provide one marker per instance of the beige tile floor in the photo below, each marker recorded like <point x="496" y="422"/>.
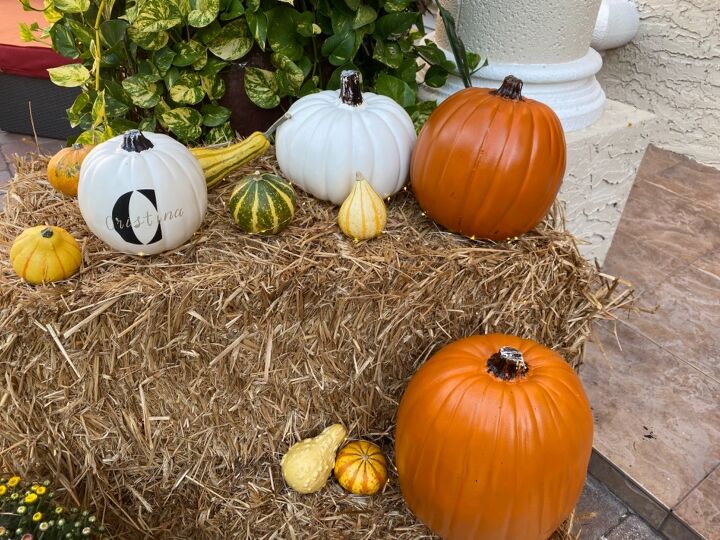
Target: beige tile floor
<point x="654" y="378"/>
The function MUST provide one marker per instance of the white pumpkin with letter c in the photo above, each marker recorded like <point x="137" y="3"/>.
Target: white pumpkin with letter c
<point x="142" y="193"/>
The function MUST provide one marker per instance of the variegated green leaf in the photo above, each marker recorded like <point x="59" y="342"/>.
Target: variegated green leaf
<point x="188" y="52"/>
<point x="160" y="109"/>
<point x="258" y="24"/>
<point x="203" y="12"/>
<point x="70" y="75"/>
<point x="148" y="124"/>
<point x="214" y="115"/>
<point x="51" y="14"/>
<point x="220" y="134"/>
<point x="261" y="87"/>
<point x="144" y="90"/>
<point x="163" y="59"/>
<point x="79" y="111"/>
<point x="156" y="16"/>
<point x="72" y="6"/>
<point x="184" y="122"/>
<point x="152" y="41"/>
<point x="95" y="136"/>
<point x="289" y="76"/>
<point x="233" y="42"/>
<point x="187" y="90"/>
<point x="98" y="109"/>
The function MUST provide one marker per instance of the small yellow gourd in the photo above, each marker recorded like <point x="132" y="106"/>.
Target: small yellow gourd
<point x="361" y="468"/>
<point x="363" y="215"/>
<point x="43" y="254"/>
<point x="307" y="465"/>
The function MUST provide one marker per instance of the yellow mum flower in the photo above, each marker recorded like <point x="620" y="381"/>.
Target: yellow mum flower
<point x="14" y="481"/>
<point x="37" y="516"/>
<point x="3" y="489"/>
<point x="31" y="498"/>
<point x="40" y="490"/>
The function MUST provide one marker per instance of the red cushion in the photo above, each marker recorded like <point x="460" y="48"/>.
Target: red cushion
<point x="29" y="61"/>
<point x="26" y="59"/>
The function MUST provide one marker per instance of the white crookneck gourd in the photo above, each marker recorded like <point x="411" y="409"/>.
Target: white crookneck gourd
<point x="332" y="134"/>
<point x="307" y="465"/>
<point x="363" y="214"/>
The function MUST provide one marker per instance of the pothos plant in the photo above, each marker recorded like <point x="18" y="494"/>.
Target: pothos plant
<point x="156" y="64"/>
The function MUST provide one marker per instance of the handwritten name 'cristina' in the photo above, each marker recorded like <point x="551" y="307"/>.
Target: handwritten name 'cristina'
<point x="148" y="220"/>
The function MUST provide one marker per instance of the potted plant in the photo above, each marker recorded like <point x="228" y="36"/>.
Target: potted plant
<point x="164" y="65"/>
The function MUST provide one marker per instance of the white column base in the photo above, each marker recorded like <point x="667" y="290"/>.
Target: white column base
<point x="601" y="167"/>
<point x="569" y="88"/>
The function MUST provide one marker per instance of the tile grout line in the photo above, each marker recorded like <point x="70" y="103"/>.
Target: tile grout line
<point x="682" y="499"/>
<point x="679" y="359"/>
<point x="685" y="198"/>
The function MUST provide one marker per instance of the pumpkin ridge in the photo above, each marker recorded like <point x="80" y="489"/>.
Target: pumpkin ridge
<point x="62" y="266"/>
<point x="345" y="464"/>
<point x="397" y="165"/>
<point x="273" y="212"/>
<point x="27" y="261"/>
<point x="440" y="177"/>
<point x="327" y="174"/>
<point x="521" y="186"/>
<point x="440" y="407"/>
<point x="282" y="193"/>
<point x="466" y="454"/>
<point x="475" y="182"/>
<point x="371" y="149"/>
<point x="363" y="221"/>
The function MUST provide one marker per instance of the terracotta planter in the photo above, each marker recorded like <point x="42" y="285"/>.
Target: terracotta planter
<point x="247" y="117"/>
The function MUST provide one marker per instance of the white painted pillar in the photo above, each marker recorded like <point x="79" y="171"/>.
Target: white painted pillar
<point x="544" y="43"/>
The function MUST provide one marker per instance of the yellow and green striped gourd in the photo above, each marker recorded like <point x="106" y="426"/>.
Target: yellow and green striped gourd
<point x="363" y="214"/>
<point x="262" y="203"/>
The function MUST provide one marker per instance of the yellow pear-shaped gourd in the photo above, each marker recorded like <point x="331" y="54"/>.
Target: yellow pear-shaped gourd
<point x="43" y="254"/>
<point x="307" y="465"/>
<point x="363" y="214"/>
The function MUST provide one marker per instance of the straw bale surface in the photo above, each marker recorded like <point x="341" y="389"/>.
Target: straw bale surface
<point x="164" y="390"/>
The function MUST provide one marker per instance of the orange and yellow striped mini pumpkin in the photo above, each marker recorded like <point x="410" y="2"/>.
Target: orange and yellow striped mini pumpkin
<point x="64" y="168"/>
<point x="361" y="468"/>
<point x="363" y="215"/>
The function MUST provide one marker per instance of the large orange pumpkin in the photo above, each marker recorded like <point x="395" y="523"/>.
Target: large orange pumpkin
<point x="493" y="440"/>
<point x="489" y="163"/>
<point x="64" y="168"/>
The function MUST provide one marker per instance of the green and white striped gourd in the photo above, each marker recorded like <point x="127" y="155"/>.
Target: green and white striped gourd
<point x="262" y="203"/>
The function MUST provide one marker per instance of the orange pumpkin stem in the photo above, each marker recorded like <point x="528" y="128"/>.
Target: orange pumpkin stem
<point x="507" y="364"/>
<point x="350" y="93"/>
<point x="511" y="89"/>
<point x="47" y="232"/>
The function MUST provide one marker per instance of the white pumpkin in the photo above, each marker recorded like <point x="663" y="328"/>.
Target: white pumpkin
<point x="142" y="193"/>
<point x="331" y="135"/>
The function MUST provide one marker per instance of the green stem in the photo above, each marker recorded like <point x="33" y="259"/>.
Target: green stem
<point x="456" y="44"/>
<point x="98" y="58"/>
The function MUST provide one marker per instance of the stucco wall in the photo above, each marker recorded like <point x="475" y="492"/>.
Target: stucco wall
<point x="672" y="67"/>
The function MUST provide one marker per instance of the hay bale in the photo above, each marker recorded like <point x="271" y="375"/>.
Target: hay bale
<point x="164" y="390"/>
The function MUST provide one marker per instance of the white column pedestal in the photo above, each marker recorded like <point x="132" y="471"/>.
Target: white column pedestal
<point x="569" y="88"/>
<point x="602" y="163"/>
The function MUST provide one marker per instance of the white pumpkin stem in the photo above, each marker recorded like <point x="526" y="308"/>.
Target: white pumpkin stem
<point x="507" y="364"/>
<point x="135" y="141"/>
<point x="350" y="93"/>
